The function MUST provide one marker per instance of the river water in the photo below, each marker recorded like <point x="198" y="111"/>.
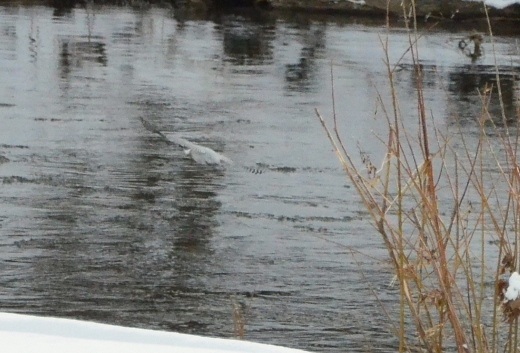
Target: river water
<point x="101" y="220"/>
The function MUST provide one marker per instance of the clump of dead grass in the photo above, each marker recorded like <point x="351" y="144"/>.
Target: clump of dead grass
<point x="451" y="289"/>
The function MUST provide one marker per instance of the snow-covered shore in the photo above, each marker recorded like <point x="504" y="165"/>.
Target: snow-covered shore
<point x="32" y="334"/>
<point x="501" y="4"/>
<point x="450" y="10"/>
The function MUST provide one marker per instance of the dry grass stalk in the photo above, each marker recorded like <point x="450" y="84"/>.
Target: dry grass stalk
<point x="239" y="320"/>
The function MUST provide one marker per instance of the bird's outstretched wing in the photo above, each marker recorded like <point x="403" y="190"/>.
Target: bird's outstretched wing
<point x="151" y="127"/>
<point x="200" y="154"/>
<point x="172" y="140"/>
<point x="179" y="141"/>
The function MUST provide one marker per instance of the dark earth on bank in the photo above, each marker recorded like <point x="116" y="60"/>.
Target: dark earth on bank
<point x="453" y="10"/>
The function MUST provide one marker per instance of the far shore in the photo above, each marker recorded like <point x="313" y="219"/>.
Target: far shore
<point x="438" y="10"/>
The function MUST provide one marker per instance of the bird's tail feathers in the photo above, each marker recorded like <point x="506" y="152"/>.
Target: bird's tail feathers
<point x="226" y="160"/>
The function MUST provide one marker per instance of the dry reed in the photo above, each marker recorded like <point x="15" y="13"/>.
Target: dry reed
<point x="451" y="289"/>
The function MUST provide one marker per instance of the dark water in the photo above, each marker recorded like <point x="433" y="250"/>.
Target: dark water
<point x="100" y="220"/>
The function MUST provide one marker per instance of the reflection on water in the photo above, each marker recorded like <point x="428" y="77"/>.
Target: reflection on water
<point x="77" y="52"/>
<point x="300" y="75"/>
<point x="100" y="220"/>
<point x="247" y="43"/>
<point x="469" y="80"/>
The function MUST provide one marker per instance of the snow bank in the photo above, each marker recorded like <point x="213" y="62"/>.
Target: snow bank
<point x="499" y="4"/>
<point x="513" y="288"/>
<point x="33" y="334"/>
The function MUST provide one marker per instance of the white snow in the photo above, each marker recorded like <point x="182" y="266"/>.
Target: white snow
<point x="499" y="4"/>
<point x="33" y="334"/>
<point x="514" y="287"/>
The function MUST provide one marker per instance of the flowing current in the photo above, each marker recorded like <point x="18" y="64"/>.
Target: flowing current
<point x="100" y="220"/>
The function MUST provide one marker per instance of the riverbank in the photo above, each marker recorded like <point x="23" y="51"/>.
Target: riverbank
<point x="449" y="10"/>
<point x="452" y="10"/>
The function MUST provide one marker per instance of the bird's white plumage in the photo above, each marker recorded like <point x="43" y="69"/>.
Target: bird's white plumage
<point x="200" y="154"/>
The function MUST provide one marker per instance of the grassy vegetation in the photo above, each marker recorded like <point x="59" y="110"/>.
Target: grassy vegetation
<point x="449" y="216"/>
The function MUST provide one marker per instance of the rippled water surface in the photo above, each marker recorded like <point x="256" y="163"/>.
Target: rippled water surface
<point x="101" y="220"/>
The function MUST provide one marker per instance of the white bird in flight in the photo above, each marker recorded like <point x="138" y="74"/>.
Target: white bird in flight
<point x="200" y="154"/>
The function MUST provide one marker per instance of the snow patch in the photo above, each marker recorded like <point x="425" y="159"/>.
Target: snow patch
<point x="513" y="290"/>
<point x="30" y="334"/>
<point x="499" y="4"/>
